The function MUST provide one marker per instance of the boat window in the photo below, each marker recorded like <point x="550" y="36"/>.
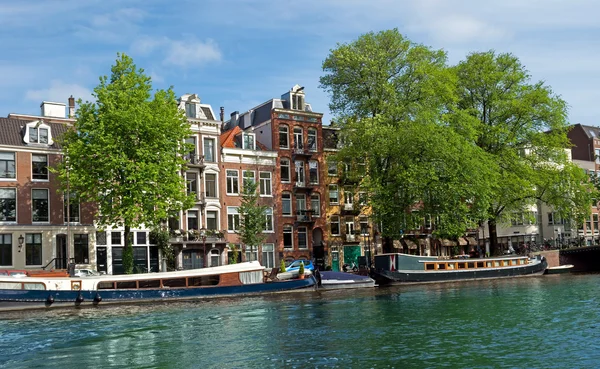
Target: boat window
<point x="462" y="265"/>
<point x="151" y="283"/>
<point x="126" y="284"/>
<point x="174" y="282"/>
<point x="106" y="285"/>
<point x="10" y="285"/>
<point x="33" y="286"/>
<point x="429" y="266"/>
<point x="441" y="266"/>
<point x="251" y="277"/>
<point x="496" y="263"/>
<point x="480" y="264"/>
<point x="505" y="263"/>
<point x="208" y="280"/>
<point x="521" y="261"/>
<point x="471" y="265"/>
<point x="451" y="266"/>
<point x="489" y="264"/>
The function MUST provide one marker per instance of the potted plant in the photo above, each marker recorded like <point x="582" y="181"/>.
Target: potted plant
<point x="282" y="267"/>
<point x="301" y="271"/>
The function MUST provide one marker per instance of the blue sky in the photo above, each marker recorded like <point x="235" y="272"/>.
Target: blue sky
<point x="239" y="53"/>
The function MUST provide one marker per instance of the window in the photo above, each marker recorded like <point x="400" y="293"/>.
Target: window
<point x="251" y="253"/>
<point x="595" y="221"/>
<point x="100" y="237"/>
<point x="299" y="168"/>
<point x="248" y="176"/>
<point x="364" y="225"/>
<point x="300" y="204"/>
<point x="313" y="172"/>
<point x="315" y="204"/>
<point x="82" y="250"/>
<point x="284" y="137"/>
<point x="5" y="249"/>
<point x="190" y="110"/>
<point x="233" y="218"/>
<point x="8" y="205"/>
<point x="268" y="255"/>
<point x="209" y="150"/>
<point x="191" y="141"/>
<point x="211" y="220"/>
<point x="297" y="102"/>
<point x="232" y="182"/>
<point x="71" y="211"/>
<point x="298" y="141"/>
<point x="210" y="184"/>
<point x="550" y="219"/>
<point x="285" y="170"/>
<point x="362" y="198"/>
<point x="312" y="139"/>
<point x="265" y="183"/>
<point x="115" y="238"/>
<point x="333" y="194"/>
<point x="288" y="237"/>
<point x="38" y="135"/>
<point x="7" y="165"/>
<point x="39" y="167"/>
<point x="348" y="197"/>
<point x="332" y="168"/>
<point x="192" y="219"/>
<point x="335" y="225"/>
<point x="349" y="228"/>
<point x="286" y="203"/>
<point x="33" y="249"/>
<point x="39" y="205"/>
<point x="428" y="221"/>
<point x="302" y="238"/>
<point x="269" y="220"/>
<point x="248" y="141"/>
<point x="192" y="183"/>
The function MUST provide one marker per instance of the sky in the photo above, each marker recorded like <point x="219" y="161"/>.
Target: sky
<point x="240" y="53"/>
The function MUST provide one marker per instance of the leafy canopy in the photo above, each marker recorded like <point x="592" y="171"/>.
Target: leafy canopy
<point x="252" y="216"/>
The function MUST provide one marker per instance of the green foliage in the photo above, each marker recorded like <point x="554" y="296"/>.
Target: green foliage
<point x="160" y="237"/>
<point x="126" y="150"/>
<point x="282" y="266"/>
<point x="392" y="98"/>
<point x="252" y="217"/>
<point x="233" y="259"/>
<point x="301" y="269"/>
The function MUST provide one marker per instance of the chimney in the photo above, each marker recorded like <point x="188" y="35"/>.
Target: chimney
<point x="71" y="107"/>
<point x="234" y="119"/>
<point x="222" y="115"/>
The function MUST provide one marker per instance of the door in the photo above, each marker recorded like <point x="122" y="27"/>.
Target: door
<point x="335" y="261"/>
<point x="351" y="254"/>
<point x="61" y="252"/>
<point x="192" y="259"/>
<point x="299" y="167"/>
<point x="101" y="260"/>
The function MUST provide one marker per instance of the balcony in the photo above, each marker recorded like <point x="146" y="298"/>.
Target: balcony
<point x="305" y="153"/>
<point x="304" y="216"/>
<point x="350" y="209"/>
<point x="195" y="161"/>
<point x="303" y="186"/>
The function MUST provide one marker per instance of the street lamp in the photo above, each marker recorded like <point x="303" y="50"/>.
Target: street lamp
<point x="21" y="241"/>
<point x="203" y="237"/>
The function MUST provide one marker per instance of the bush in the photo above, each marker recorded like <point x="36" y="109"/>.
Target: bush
<point x="301" y="269"/>
<point x="282" y="267"/>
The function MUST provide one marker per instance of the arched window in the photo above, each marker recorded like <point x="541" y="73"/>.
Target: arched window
<point x="312" y="139"/>
<point x="288" y="236"/>
<point x="284" y="135"/>
<point x="298" y="140"/>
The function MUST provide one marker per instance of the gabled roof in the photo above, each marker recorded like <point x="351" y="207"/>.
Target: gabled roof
<point x="590" y="131"/>
<point x="12" y="130"/>
<point x="227" y="138"/>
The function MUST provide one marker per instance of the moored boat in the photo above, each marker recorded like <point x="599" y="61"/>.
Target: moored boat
<point x="396" y="267"/>
<point x="228" y="280"/>
<point x="329" y="280"/>
<point x="561" y="269"/>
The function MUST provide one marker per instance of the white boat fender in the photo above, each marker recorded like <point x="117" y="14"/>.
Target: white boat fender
<point x="97" y="299"/>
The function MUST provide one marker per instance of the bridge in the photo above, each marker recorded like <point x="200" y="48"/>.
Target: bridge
<point x="584" y="259"/>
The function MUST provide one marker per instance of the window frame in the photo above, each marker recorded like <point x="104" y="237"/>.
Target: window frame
<point x="33" y="205"/>
<point x="233" y="219"/>
<point x="6" y="163"/>
<point x="288" y="230"/>
<point x="214" y="186"/>
<point x="81" y="250"/>
<point x="269" y="221"/>
<point x="335" y="219"/>
<point x="210" y="147"/>
<point x="216" y="220"/>
<point x="303" y="230"/>
<point x="336" y="191"/>
<point x="266" y="186"/>
<point x="6" y="249"/>
<point x="74" y="204"/>
<point x="285" y="163"/>
<point x="282" y="128"/>
<point x="284" y="199"/>
<point x="31" y="245"/>
<point x="298" y="143"/>
<point x="316" y="213"/>
<point x="4" y="201"/>
<point x="246" y="177"/>
<point x="232" y="181"/>
<point x="43" y="175"/>
<point x="313" y="170"/>
<point x="312" y="132"/>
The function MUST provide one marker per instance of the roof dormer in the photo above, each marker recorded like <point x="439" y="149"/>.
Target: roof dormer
<point x="38" y="133"/>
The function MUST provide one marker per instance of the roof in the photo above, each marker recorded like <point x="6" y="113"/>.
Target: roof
<point x="590" y="131"/>
<point x="11" y="132"/>
<point x="207" y="111"/>
<point x="228" y="138"/>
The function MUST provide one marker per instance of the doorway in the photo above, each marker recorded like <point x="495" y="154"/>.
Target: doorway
<point x="101" y="260"/>
<point x="61" y="252"/>
<point x="192" y="259"/>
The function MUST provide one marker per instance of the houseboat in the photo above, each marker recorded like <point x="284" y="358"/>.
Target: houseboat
<point x="45" y="290"/>
<point x="403" y="268"/>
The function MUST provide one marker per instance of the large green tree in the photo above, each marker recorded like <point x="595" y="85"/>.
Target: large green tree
<point x="522" y="127"/>
<point x="125" y="153"/>
<point x="391" y="98"/>
<point x="252" y="217"/>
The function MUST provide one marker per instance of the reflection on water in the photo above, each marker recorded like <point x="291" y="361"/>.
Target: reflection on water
<point x="545" y="322"/>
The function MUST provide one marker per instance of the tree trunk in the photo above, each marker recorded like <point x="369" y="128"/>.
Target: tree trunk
<point x="493" y="237"/>
<point x="127" y="252"/>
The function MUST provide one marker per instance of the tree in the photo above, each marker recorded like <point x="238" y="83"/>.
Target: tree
<point x="522" y="128"/>
<point x="125" y="153"/>
<point x="392" y="99"/>
<point x="252" y="217"/>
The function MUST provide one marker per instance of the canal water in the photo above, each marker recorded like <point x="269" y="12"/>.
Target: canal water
<point x="539" y="322"/>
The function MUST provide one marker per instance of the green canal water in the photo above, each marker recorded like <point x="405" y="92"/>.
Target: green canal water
<point x="540" y="322"/>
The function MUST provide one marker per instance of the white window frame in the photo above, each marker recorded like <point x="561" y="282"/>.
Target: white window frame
<point x="16" y="198"/>
<point x="235" y="180"/>
<point x="47" y="171"/>
<point x="289" y="198"/>
<point x="204" y="148"/>
<point x="300" y="173"/>
<point x="316" y="210"/>
<point x="288" y="229"/>
<point x="335" y="219"/>
<point x="47" y="199"/>
<point x="14" y="164"/>
<point x="216" y="187"/>
<point x="337" y="192"/>
<point x="246" y="139"/>
<point x="285" y="162"/>
<point x="304" y="230"/>
<point x="39" y="126"/>
<point x="330" y="165"/>
<point x="300" y="203"/>
<point x="217" y="219"/>
<point x="188" y="217"/>
<point x="312" y="132"/>
<point x="266" y="187"/>
<point x="316" y="164"/>
<point x="246" y="177"/>
<point x="283" y="127"/>
<point x="268" y="255"/>
<point x="233" y="224"/>
<point x="298" y="143"/>
<point x="269" y="223"/>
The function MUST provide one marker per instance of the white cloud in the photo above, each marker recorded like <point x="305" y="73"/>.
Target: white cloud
<point x="59" y="91"/>
<point x="182" y="53"/>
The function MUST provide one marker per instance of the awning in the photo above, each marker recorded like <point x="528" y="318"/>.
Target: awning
<point x="446" y="242"/>
<point x="472" y="241"/>
<point x="422" y="242"/>
<point x="409" y="243"/>
<point x="397" y="244"/>
<point x="462" y="241"/>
